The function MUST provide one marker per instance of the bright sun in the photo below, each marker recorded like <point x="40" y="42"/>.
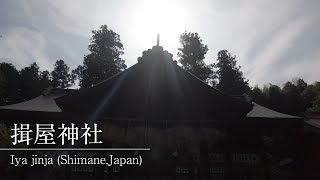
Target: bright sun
<point x="159" y="16"/>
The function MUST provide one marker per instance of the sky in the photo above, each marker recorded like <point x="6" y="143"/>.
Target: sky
<point x="274" y="41"/>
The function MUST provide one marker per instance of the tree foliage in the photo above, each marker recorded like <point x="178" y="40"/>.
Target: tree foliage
<point x="192" y="54"/>
<point x="301" y="85"/>
<point x="104" y="59"/>
<point x="275" y="98"/>
<point x="293" y="101"/>
<point x="295" y="97"/>
<point x="311" y="96"/>
<point x="45" y="80"/>
<point x="61" y="76"/>
<point x="258" y="95"/>
<point x="9" y="84"/>
<point x="30" y="81"/>
<point x="230" y="78"/>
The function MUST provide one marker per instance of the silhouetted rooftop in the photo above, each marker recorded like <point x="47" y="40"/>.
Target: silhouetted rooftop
<point x="313" y="122"/>
<point x="155" y="88"/>
<point x="259" y="111"/>
<point x="42" y="103"/>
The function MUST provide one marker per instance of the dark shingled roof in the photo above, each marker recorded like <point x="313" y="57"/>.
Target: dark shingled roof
<point x="259" y="111"/>
<point x="313" y="122"/>
<point x="47" y="103"/>
<point x="155" y="88"/>
<point x="43" y="103"/>
<point x="312" y="119"/>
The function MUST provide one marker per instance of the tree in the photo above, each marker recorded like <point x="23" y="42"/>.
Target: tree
<point x="5" y="133"/>
<point x="45" y="80"/>
<point x="192" y="54"/>
<point x="293" y="103"/>
<point x="104" y="59"/>
<point x="30" y="81"/>
<point x="6" y="142"/>
<point x="301" y="85"/>
<point x="61" y="77"/>
<point x="9" y="84"/>
<point x="258" y="96"/>
<point x="274" y="97"/>
<point x="315" y="105"/>
<point x="230" y="78"/>
<point x="310" y="96"/>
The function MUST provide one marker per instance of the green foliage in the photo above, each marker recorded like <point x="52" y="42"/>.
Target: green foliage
<point x="30" y="81"/>
<point x="5" y="133"/>
<point x="301" y="85"/>
<point x="192" y="54"/>
<point x="61" y="77"/>
<point x="45" y="80"/>
<point x="311" y="96"/>
<point x="230" y="78"/>
<point x="275" y="97"/>
<point x="6" y="142"/>
<point x="16" y="86"/>
<point x="104" y="59"/>
<point x="293" y="101"/>
<point x="294" y="98"/>
<point x="258" y="96"/>
<point x="3" y="84"/>
<point x="315" y="105"/>
<point x="9" y="84"/>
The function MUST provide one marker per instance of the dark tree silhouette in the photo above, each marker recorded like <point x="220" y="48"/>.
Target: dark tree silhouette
<point x="294" y="98"/>
<point x="61" y="77"/>
<point x="311" y="96"/>
<point x="30" y="81"/>
<point x="275" y="97"/>
<point x="45" y="80"/>
<point x="230" y="78"/>
<point x="258" y="96"/>
<point x="293" y="102"/>
<point x="9" y="84"/>
<point x="315" y="105"/>
<point x="301" y="85"/>
<point x="104" y="59"/>
<point x="192" y="54"/>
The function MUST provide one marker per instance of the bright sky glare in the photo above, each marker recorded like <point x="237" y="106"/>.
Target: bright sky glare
<point x="273" y="42"/>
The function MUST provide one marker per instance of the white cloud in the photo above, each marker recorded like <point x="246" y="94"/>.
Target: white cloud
<point x="22" y="46"/>
<point x="306" y="68"/>
<point x="275" y="51"/>
<point x="260" y="33"/>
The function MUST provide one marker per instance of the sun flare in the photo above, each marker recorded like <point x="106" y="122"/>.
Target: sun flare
<point x="158" y="16"/>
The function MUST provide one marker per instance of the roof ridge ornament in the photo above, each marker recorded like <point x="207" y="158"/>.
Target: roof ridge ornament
<point x="158" y="39"/>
